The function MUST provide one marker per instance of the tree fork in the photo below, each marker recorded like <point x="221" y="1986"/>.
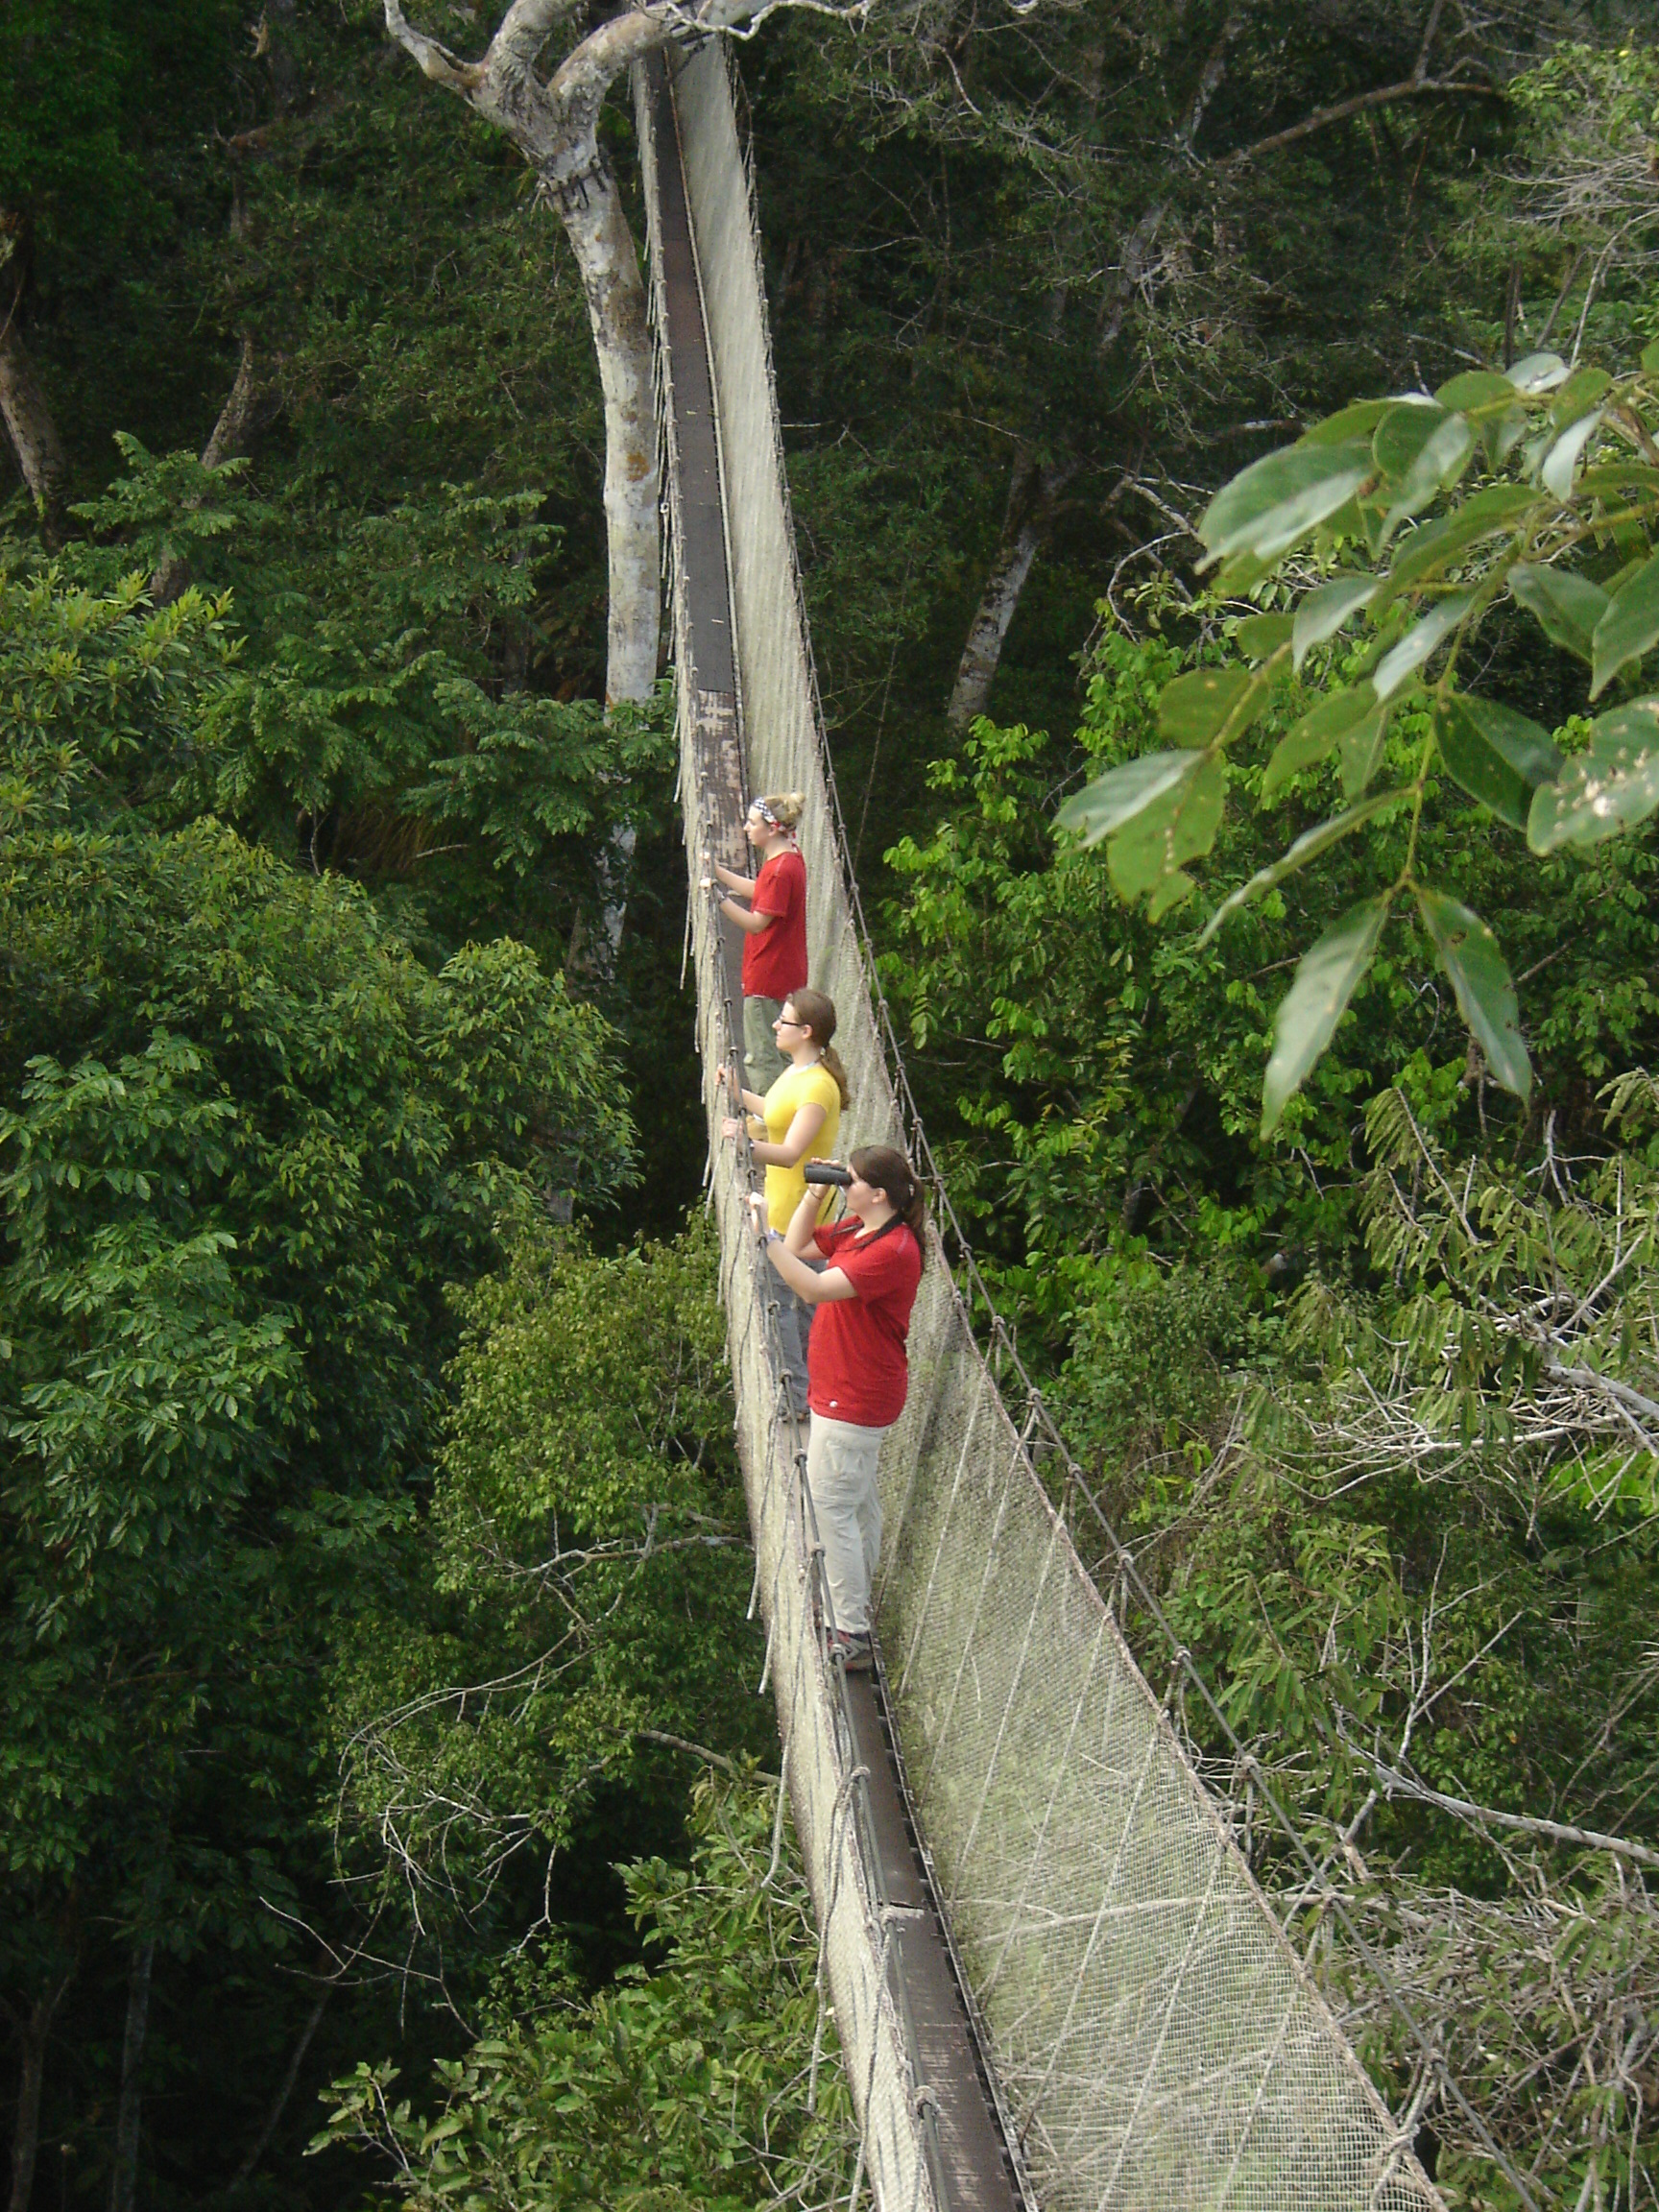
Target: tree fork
<point x="1034" y="491"/>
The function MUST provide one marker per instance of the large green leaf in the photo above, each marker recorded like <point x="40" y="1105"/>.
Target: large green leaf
<point x="1323" y="613"/>
<point x="1348" y="424"/>
<point x="1102" y="807"/>
<point x="1538" y="373"/>
<point x="1578" y="396"/>
<point x="1326" y="980"/>
<point x="1260" y="636"/>
<point x="1435" y="546"/>
<point x="1419" y="641"/>
<point x="1402" y="435"/>
<point x="1485" y="995"/>
<point x="1568" y="607"/>
<point x="1497" y="756"/>
<point x="1359" y="749"/>
<point x="1196" y="708"/>
<point x="1177" y="828"/>
<point x="1609" y="788"/>
<point x="1308" y="846"/>
<point x="1320" y="729"/>
<point x="1621" y="478"/>
<point x="1559" y="463"/>
<point x="1440" y="461"/>
<point x="1281" y="497"/>
<point x="1628" y="627"/>
<point x="1476" y="388"/>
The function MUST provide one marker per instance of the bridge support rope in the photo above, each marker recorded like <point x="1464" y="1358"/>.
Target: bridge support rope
<point x="1153" y="2039"/>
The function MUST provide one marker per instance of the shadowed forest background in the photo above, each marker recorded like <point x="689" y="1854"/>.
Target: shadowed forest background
<point x="378" y="1691"/>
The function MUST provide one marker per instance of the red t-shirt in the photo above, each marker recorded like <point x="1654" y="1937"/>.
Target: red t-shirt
<point x="775" y="958"/>
<point x="855" y="1366"/>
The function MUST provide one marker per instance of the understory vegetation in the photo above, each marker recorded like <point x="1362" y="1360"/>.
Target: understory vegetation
<point x="386" y="1806"/>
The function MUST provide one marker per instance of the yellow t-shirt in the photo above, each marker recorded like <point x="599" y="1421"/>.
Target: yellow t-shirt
<point x="795" y="1088"/>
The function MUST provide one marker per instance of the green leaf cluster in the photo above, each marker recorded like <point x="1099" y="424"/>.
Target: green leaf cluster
<point x="1563" y="528"/>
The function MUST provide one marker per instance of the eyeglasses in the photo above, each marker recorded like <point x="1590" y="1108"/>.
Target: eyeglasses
<point x="783" y="1022"/>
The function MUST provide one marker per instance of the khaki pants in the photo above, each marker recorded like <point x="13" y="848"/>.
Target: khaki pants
<point x="762" y="1061"/>
<point x="842" y="1463"/>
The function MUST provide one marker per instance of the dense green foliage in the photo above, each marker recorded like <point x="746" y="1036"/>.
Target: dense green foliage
<point x="373" y="1547"/>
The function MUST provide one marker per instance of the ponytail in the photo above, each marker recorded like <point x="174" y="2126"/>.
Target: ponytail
<point x="831" y="1065"/>
<point x="886" y="1170"/>
<point x="816" y="1014"/>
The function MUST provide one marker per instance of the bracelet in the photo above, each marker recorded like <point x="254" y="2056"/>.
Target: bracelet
<point x="774" y="1235"/>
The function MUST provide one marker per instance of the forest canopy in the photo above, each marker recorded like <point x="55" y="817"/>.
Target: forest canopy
<point x="1224" y="445"/>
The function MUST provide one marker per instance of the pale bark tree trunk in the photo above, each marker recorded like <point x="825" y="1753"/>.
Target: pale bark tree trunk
<point x="229" y="438"/>
<point x="33" y="2027"/>
<point x="1034" y="493"/>
<point x="590" y="206"/>
<point x="555" y="126"/>
<point x="34" y="434"/>
<point x="124" y="2176"/>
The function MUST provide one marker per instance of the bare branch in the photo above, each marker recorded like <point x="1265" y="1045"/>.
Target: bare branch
<point x="1413" y="87"/>
<point x="1400" y="1785"/>
<point x="436" y="60"/>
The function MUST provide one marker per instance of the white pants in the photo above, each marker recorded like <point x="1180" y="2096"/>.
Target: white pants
<point x="842" y="1470"/>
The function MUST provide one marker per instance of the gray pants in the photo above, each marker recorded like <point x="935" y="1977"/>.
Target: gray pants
<point x="761" y="1058"/>
<point x="792" y="1329"/>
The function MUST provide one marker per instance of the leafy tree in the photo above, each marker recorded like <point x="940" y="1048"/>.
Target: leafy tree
<point x="708" y="2078"/>
<point x="248" y="1141"/>
<point x="578" y="1594"/>
<point x="1561" y="530"/>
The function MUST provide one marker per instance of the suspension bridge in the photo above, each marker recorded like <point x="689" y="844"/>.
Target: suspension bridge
<point x="1055" y="1980"/>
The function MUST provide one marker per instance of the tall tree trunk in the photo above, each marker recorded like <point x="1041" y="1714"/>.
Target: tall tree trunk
<point x="579" y="184"/>
<point x="1034" y="493"/>
<point x="33" y="432"/>
<point x="123" y="2177"/>
<point x="32" y="2030"/>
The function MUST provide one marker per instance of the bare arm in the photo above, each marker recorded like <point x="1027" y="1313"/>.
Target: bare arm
<point x="743" y="885"/>
<point x="750" y="923"/>
<point x="788" y="1257"/>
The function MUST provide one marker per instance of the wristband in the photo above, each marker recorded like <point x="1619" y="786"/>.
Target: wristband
<point x="774" y="1235"/>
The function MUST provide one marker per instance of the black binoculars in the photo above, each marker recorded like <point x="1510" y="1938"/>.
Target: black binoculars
<point x="828" y="1172"/>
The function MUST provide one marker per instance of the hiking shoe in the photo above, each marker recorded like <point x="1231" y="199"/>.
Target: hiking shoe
<point x="853" y="1651"/>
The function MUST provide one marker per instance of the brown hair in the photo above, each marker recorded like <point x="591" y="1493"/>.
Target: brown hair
<point x="816" y="1014"/>
<point x="781" y="806"/>
<point x="887" y="1170"/>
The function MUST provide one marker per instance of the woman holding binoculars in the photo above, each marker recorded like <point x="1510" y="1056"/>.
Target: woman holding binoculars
<point x="800" y="1115"/>
<point x="858" y="1374"/>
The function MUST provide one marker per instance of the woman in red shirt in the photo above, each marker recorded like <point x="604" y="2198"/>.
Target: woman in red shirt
<point x="856" y="1371"/>
<point x="774" y="926"/>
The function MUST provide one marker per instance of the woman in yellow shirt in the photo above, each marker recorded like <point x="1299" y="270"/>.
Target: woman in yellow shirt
<point x="800" y="1115"/>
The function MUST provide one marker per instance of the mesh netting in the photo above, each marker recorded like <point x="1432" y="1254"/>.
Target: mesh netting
<point x="1158" y="2042"/>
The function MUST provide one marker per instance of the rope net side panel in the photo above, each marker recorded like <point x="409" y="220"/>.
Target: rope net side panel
<point x="1157" y="2038"/>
